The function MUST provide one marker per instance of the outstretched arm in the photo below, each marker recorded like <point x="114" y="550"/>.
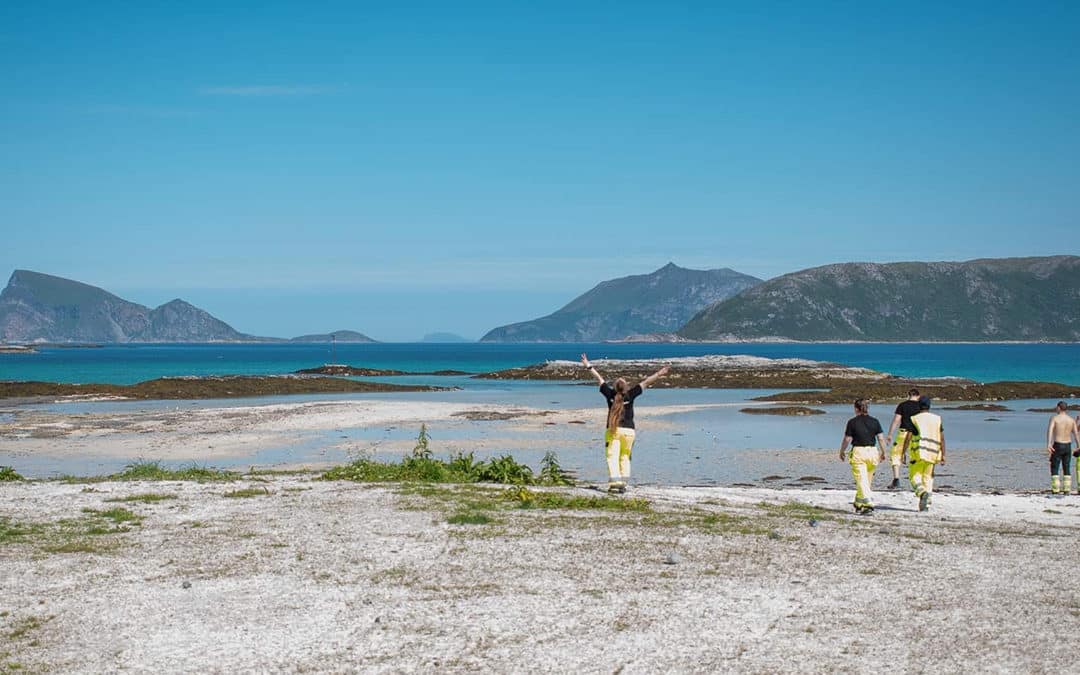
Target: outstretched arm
<point x="592" y="371"/>
<point x="654" y="377"/>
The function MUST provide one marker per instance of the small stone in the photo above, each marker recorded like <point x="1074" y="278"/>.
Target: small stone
<point x="672" y="559"/>
<point x="186" y="584"/>
<point x="812" y="522"/>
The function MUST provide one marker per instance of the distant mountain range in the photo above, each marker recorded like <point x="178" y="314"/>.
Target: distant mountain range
<point x="979" y="300"/>
<point x="37" y="307"/>
<point x="336" y="336"/>
<point x="660" y="302"/>
<point x="444" y="338"/>
<point x="1029" y="299"/>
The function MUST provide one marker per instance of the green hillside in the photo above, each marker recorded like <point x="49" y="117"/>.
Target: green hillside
<point x="979" y="300"/>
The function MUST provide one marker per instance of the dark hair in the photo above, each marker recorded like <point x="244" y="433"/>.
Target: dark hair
<point x="617" y="404"/>
<point x="1061" y="406"/>
<point x="913" y="392"/>
<point x="862" y="405"/>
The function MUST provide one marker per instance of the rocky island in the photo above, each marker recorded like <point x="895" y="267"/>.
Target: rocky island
<point x="815" y="382"/>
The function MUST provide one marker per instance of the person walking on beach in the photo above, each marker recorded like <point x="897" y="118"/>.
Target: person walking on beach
<point x="1059" y="438"/>
<point x="902" y="419"/>
<point x="925" y="448"/>
<point x="619" y="436"/>
<point x="864" y="434"/>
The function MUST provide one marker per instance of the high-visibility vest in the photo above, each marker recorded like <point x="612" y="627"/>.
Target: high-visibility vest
<point x="928" y="428"/>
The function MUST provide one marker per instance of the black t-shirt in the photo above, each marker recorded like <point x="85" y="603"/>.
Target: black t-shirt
<point x="627" y="419"/>
<point x="905" y="410"/>
<point x="863" y="430"/>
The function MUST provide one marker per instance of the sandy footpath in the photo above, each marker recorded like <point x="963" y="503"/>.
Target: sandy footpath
<point x="314" y="576"/>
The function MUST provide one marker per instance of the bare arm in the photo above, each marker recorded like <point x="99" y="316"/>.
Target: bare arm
<point x="942" y="460"/>
<point x="654" y="377"/>
<point x="592" y="371"/>
<point x="1050" y="436"/>
<point x="881" y="447"/>
<point x="843" y="447"/>
<point x="895" y="423"/>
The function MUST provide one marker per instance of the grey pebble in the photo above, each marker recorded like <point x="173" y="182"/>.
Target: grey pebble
<point x="186" y="584"/>
<point x="672" y="559"/>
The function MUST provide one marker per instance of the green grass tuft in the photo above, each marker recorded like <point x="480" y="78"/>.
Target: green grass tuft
<point x="145" y="498"/>
<point x="247" y="492"/>
<point x="155" y="470"/>
<point x="9" y="474"/>
<point x="525" y="498"/>
<point x="470" y="519"/>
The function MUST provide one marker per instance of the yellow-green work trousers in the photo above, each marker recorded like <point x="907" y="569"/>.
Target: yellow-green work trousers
<point x="898" y="446"/>
<point x="921" y="474"/>
<point x="619" y="446"/>
<point x="863" y="461"/>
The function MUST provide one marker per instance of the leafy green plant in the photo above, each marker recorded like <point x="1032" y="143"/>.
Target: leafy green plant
<point x="9" y="474"/>
<point x="420" y="465"/>
<point x="551" y="473"/>
<point x="465" y="465"/>
<point x="422" y="450"/>
<point x="506" y="469"/>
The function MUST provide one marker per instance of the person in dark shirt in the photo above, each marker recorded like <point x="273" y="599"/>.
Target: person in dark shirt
<point x="863" y="433"/>
<point x="902" y="419"/>
<point x="619" y="436"/>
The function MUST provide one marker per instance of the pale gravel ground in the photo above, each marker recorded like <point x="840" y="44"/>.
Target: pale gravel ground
<point x="332" y="576"/>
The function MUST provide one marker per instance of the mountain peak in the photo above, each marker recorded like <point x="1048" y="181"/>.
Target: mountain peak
<point x="659" y="302"/>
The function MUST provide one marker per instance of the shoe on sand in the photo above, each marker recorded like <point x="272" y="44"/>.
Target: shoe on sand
<point x="895" y="484"/>
<point x="924" y="501"/>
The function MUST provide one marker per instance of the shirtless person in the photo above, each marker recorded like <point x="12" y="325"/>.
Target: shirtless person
<point x="1059" y="437"/>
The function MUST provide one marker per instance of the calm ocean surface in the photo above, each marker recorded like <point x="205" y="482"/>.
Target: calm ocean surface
<point x="126" y="364"/>
<point x="713" y="445"/>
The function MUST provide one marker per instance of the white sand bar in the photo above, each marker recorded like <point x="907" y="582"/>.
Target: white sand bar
<point x="333" y="576"/>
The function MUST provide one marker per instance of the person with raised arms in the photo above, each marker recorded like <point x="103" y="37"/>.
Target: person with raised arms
<point x="620" y="432"/>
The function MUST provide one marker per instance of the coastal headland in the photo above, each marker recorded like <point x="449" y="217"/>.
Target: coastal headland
<point x="828" y="382"/>
<point x="180" y="388"/>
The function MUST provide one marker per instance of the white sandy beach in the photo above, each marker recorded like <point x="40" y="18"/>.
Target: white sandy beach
<point x="318" y="576"/>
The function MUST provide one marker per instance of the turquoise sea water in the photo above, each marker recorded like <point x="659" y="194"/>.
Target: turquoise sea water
<point x="714" y="445"/>
<point x="126" y="364"/>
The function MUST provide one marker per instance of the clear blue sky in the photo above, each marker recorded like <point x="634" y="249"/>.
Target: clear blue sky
<point x="400" y="168"/>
